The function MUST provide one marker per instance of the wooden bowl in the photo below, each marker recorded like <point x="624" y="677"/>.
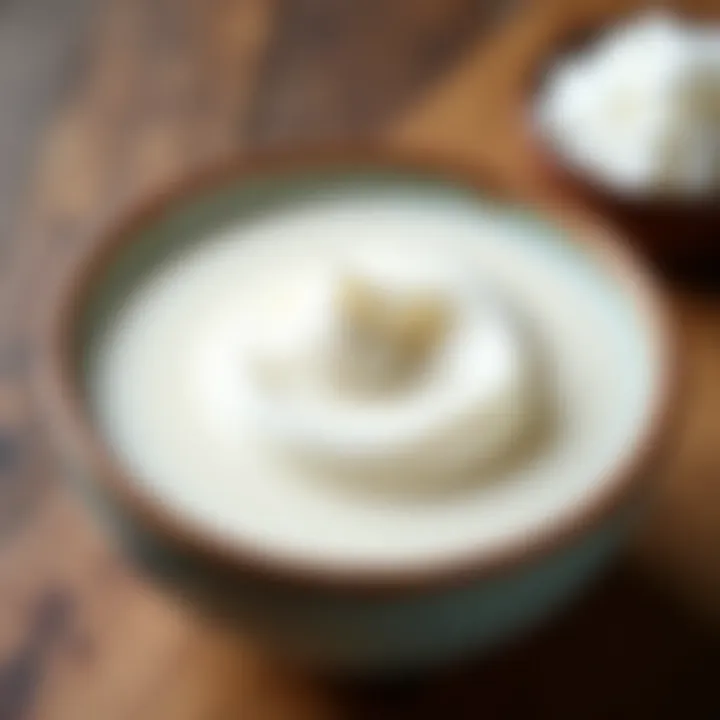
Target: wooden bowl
<point x="374" y="617"/>
<point x="680" y="236"/>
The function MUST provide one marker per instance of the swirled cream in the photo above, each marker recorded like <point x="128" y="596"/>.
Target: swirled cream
<point x="254" y="363"/>
<point x="392" y="368"/>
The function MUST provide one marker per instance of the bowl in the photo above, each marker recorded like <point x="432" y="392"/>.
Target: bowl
<point x="350" y="617"/>
<point x="679" y="235"/>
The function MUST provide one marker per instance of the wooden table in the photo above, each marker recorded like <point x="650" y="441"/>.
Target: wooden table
<point x="163" y="85"/>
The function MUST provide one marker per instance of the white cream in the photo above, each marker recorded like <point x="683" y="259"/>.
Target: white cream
<point x="641" y="108"/>
<point x="390" y="368"/>
<point x="168" y="368"/>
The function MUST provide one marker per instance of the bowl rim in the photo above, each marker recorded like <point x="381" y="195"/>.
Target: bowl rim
<point x="58" y="387"/>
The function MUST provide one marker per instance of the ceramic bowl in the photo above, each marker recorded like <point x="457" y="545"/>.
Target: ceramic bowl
<point x="352" y="619"/>
<point x="680" y="236"/>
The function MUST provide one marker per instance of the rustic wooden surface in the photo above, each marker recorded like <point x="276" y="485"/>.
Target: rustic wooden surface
<point x="156" y="86"/>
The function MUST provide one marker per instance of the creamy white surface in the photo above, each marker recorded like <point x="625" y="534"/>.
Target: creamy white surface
<point x="165" y="421"/>
<point x="641" y="108"/>
<point x="329" y="379"/>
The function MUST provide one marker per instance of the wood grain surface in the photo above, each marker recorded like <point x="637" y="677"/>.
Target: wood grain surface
<point x="139" y="90"/>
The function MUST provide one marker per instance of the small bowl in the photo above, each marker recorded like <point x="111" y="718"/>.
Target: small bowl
<point x="681" y="236"/>
<point x="352" y="619"/>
